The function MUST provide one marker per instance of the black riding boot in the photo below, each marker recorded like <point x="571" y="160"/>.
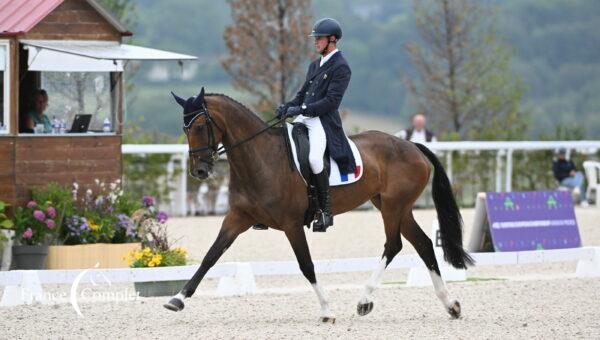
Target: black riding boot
<point x="324" y="216"/>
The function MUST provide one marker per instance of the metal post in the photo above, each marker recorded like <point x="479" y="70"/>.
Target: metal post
<point x="509" y="163"/>
<point x="499" y="171"/>
<point x="183" y="184"/>
<point x="449" y="164"/>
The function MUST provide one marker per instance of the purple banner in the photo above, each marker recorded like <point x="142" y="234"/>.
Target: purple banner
<point x="532" y="220"/>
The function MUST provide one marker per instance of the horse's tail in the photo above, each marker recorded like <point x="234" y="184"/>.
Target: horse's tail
<point x="449" y="217"/>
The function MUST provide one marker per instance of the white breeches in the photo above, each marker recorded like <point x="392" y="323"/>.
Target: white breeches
<point x="317" y="139"/>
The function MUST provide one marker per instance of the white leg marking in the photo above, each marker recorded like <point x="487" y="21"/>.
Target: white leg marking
<point x="325" y="311"/>
<point x="179" y="296"/>
<point x="373" y="281"/>
<point x="440" y="289"/>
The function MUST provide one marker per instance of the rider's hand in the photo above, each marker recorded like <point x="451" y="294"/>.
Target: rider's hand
<point x="280" y="111"/>
<point x="293" y="111"/>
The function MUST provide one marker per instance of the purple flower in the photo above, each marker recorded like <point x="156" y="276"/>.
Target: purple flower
<point x="162" y="216"/>
<point x="39" y="215"/>
<point x="31" y="204"/>
<point x="51" y="212"/>
<point x="110" y="208"/>
<point x="28" y="233"/>
<point x="148" y="201"/>
<point x="84" y="226"/>
<point x="50" y="224"/>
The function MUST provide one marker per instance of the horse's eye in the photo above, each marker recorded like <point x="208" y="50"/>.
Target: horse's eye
<point x="200" y="128"/>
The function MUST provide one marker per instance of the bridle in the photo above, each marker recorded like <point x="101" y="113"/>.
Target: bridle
<point x="215" y="150"/>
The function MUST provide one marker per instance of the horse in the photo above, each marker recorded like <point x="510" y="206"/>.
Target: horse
<point x="264" y="189"/>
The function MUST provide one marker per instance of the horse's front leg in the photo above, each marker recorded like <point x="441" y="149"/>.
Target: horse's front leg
<point x="234" y="224"/>
<point x="297" y="239"/>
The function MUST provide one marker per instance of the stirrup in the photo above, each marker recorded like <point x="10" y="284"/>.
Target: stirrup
<point x="323" y="221"/>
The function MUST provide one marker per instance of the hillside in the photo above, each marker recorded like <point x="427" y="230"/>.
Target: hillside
<point x="555" y="44"/>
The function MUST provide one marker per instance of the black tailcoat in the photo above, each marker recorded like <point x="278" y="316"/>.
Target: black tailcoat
<point x="322" y="93"/>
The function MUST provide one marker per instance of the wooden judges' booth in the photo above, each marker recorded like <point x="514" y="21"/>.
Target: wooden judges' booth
<point x="72" y="49"/>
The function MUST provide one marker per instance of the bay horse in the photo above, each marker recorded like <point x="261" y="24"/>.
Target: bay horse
<point x="264" y="189"/>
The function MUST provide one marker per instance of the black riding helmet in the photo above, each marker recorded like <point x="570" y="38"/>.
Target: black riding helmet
<point x="326" y="27"/>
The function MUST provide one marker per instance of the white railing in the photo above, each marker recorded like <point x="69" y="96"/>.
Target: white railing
<point x="502" y="149"/>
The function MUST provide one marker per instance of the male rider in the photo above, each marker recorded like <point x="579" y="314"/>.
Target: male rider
<point x="316" y="106"/>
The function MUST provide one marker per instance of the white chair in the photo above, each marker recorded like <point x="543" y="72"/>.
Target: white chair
<point x="591" y="175"/>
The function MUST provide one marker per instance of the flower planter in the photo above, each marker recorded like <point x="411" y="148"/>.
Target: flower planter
<point x="30" y="257"/>
<point x="84" y="256"/>
<point x="159" y="288"/>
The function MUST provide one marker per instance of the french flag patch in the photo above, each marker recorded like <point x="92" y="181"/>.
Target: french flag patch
<point x="349" y="177"/>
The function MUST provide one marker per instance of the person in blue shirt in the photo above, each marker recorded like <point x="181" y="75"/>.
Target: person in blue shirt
<point x="36" y="114"/>
<point x="567" y="175"/>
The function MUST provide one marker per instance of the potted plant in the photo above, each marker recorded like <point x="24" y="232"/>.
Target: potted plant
<point x="34" y="230"/>
<point x="6" y="233"/>
<point x="97" y="229"/>
<point x="157" y="251"/>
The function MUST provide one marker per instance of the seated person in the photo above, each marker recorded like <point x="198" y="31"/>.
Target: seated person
<point x="36" y="115"/>
<point x="567" y="175"/>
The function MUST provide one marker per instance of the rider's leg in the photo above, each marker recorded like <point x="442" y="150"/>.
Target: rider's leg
<point x="318" y="143"/>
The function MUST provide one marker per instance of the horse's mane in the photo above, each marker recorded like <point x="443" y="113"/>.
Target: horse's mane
<point x="240" y="105"/>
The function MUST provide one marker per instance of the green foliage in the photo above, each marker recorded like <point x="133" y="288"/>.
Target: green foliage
<point x="5" y="222"/>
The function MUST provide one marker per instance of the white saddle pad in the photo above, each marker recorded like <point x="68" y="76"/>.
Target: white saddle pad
<point x="335" y="178"/>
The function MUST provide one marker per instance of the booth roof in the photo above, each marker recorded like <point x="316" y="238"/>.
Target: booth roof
<point x="19" y="16"/>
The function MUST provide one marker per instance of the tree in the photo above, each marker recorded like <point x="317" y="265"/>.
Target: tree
<point x="464" y="80"/>
<point x="268" y="44"/>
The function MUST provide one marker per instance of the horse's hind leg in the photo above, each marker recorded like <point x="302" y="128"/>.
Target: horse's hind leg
<point x="392" y="217"/>
<point x="298" y="242"/>
<point x="415" y="235"/>
<point x="233" y="225"/>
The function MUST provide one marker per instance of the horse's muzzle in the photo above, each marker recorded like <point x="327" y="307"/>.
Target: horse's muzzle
<point x="200" y="173"/>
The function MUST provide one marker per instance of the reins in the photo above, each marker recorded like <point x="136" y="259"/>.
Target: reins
<point x="216" y="152"/>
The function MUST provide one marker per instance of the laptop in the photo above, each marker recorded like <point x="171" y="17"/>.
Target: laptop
<point x="80" y="123"/>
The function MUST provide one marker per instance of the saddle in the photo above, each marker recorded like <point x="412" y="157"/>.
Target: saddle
<point x="298" y="147"/>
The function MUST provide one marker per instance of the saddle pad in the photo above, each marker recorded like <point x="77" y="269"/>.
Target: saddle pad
<point x="335" y="178"/>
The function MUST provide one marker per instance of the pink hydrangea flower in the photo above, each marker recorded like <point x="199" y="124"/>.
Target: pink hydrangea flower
<point x="31" y="204"/>
<point x="50" y="224"/>
<point x="28" y="233"/>
<point x="51" y="212"/>
<point x="39" y="215"/>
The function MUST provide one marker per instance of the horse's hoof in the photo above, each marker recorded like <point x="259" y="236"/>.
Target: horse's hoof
<point x="454" y="311"/>
<point x="175" y="304"/>
<point x="327" y="319"/>
<point x="364" y="308"/>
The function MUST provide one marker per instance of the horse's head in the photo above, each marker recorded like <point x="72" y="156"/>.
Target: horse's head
<point x="203" y="134"/>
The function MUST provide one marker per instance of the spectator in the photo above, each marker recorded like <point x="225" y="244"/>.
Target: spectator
<point x="418" y="133"/>
<point x="567" y="175"/>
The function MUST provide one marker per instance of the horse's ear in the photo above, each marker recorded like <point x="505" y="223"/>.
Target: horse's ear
<point x="179" y="100"/>
<point x="200" y="98"/>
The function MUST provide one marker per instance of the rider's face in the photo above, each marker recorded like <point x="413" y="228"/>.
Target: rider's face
<point x="320" y="43"/>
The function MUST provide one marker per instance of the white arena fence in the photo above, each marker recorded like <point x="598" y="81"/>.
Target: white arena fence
<point x="238" y="278"/>
<point x="503" y="165"/>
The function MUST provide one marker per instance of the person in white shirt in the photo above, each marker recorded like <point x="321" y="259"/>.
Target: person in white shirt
<point x="418" y="133"/>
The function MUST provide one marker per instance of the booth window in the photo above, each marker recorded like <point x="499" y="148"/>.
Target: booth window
<point x="72" y="93"/>
<point x="4" y="88"/>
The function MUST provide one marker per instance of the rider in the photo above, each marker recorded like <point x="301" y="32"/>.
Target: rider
<point x="316" y="106"/>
